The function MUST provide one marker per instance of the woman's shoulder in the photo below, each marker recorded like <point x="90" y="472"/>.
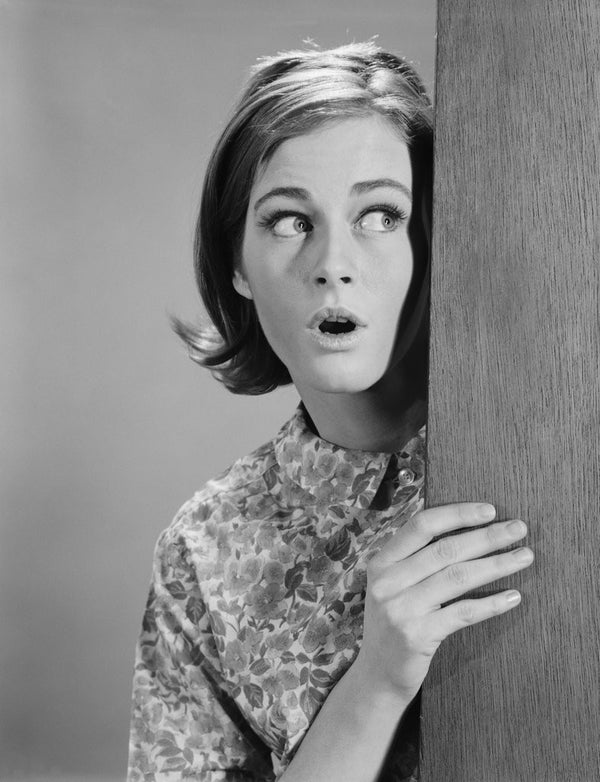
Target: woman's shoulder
<point x="214" y="511"/>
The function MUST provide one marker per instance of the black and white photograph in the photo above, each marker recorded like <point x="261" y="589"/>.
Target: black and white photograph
<point x="300" y="397"/>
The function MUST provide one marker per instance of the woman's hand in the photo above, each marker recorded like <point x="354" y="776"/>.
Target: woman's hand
<point x="410" y="580"/>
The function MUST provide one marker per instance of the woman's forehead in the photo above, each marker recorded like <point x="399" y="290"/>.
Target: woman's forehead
<point x="339" y="153"/>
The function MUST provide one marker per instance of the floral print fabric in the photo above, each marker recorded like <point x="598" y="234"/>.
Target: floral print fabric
<point x="256" y="606"/>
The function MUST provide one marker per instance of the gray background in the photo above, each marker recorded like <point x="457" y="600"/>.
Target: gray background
<point x="109" y="111"/>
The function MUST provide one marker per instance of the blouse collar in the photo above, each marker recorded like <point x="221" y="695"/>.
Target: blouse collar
<point x="340" y="475"/>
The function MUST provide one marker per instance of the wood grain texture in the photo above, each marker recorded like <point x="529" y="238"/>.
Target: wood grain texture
<point x="515" y="391"/>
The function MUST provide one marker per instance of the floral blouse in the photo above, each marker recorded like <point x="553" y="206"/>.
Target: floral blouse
<point x="256" y="606"/>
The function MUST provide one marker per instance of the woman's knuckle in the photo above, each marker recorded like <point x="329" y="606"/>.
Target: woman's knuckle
<point x="500" y="564"/>
<point x="377" y="592"/>
<point x="462" y="514"/>
<point x="417" y="524"/>
<point x="466" y="612"/>
<point x="456" y="574"/>
<point x="498" y="606"/>
<point x="445" y="550"/>
<point x="394" y="615"/>
<point x="412" y="638"/>
<point x="493" y="535"/>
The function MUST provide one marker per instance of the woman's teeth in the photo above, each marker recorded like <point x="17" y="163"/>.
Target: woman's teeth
<point x="337" y="326"/>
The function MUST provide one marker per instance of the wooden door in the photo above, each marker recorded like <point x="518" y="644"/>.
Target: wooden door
<point x="514" y="391"/>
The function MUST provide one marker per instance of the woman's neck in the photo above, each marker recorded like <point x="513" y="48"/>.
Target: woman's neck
<point x="382" y="419"/>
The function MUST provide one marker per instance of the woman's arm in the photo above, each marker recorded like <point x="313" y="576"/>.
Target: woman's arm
<point x="408" y="583"/>
<point x="183" y="726"/>
<point x="351" y="734"/>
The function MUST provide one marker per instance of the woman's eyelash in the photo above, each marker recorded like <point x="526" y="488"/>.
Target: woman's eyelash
<point x="391" y="209"/>
<point x="269" y="220"/>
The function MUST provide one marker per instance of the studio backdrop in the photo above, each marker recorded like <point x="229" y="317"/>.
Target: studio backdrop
<point x="109" y="111"/>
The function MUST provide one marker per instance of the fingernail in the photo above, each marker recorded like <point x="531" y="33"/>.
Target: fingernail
<point x="513" y="597"/>
<point x="523" y="555"/>
<point x="517" y="529"/>
<point x="486" y="512"/>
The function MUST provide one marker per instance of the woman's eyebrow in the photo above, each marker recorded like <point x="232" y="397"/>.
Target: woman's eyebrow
<point x="291" y="192"/>
<point x="372" y="184"/>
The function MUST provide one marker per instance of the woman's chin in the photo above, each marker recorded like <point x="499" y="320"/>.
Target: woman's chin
<point x="343" y="381"/>
<point x="349" y="372"/>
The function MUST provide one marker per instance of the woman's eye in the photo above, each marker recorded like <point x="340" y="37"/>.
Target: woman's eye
<point x="380" y="220"/>
<point x="290" y="226"/>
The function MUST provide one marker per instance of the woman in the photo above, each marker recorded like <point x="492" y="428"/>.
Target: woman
<point x="297" y="600"/>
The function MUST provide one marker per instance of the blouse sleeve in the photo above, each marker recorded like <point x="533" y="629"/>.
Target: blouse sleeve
<point x="183" y="724"/>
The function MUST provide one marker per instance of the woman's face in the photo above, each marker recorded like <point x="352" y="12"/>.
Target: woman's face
<point x="326" y="256"/>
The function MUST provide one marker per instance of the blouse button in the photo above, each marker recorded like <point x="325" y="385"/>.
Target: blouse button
<point x="405" y="476"/>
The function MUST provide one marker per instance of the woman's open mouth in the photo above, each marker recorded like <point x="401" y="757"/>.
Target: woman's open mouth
<point x="336" y="328"/>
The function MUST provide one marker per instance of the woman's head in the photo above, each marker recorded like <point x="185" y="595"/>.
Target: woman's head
<point x="288" y="96"/>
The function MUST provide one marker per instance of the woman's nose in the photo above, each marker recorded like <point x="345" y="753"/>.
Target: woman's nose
<point x="335" y="261"/>
<point x="332" y="278"/>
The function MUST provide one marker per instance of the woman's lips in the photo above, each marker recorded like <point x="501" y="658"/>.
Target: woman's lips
<point x="335" y="314"/>
<point x="334" y="338"/>
<point x="336" y="342"/>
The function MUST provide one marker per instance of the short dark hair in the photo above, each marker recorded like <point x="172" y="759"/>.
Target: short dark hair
<point x="289" y="95"/>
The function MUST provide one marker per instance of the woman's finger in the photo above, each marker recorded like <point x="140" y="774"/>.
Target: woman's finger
<point x="469" y="612"/>
<point x="449" y="551"/>
<point x="454" y="580"/>
<point x="425" y="525"/>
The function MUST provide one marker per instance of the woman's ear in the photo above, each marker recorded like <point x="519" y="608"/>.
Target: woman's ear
<point x="241" y="284"/>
